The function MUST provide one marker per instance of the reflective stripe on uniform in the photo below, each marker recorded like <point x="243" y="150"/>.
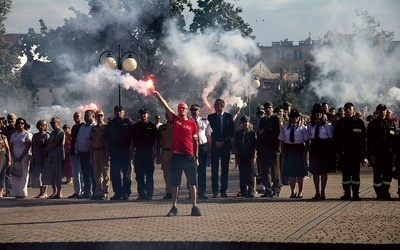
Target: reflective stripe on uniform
<point x="387" y="183"/>
<point x="346" y="182"/>
<point x="377" y="184"/>
<point x="356" y="182"/>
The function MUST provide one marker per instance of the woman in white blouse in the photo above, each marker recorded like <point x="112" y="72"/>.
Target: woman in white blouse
<point x="321" y="160"/>
<point x="20" y="144"/>
<point x="294" y="136"/>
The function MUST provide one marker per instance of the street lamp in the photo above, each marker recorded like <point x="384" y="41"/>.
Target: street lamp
<point x="255" y="84"/>
<point x="119" y="61"/>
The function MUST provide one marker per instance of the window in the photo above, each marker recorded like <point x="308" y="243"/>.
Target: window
<point x="297" y="54"/>
<point x="279" y="54"/>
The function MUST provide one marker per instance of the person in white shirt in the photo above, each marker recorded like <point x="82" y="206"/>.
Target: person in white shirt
<point x="295" y="138"/>
<point x="204" y="133"/>
<point x="82" y="153"/>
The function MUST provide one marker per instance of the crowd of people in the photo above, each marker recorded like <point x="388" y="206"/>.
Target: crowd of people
<point x="281" y="147"/>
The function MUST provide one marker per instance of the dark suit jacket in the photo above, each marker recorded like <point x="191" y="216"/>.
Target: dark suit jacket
<point x="268" y="134"/>
<point x="227" y="128"/>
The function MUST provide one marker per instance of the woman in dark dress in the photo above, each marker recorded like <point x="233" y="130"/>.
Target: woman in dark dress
<point x="39" y="141"/>
<point x="294" y="136"/>
<point x="321" y="157"/>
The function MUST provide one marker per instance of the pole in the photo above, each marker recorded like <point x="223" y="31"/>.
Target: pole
<point x="119" y="65"/>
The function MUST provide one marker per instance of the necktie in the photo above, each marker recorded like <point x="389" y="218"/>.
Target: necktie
<point x="316" y="134"/>
<point x="292" y="134"/>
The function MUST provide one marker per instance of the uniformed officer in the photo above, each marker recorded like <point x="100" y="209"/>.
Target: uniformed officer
<point x="350" y="142"/>
<point x="245" y="152"/>
<point x="204" y="133"/>
<point x="270" y="147"/>
<point x="381" y="135"/>
<point x="165" y="140"/>
<point x="144" y="151"/>
<point x="117" y="143"/>
<point x="99" y="160"/>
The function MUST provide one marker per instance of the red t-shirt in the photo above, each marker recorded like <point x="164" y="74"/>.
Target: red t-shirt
<point x="185" y="132"/>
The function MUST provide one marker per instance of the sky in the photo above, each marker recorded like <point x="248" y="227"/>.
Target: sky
<point x="271" y="20"/>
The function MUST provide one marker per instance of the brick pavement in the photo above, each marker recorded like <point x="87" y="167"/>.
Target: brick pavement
<point x="227" y="223"/>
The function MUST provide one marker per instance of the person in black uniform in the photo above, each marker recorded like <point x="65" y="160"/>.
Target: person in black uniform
<point x="350" y="143"/>
<point x="381" y="135"/>
<point x="270" y="147"/>
<point x="144" y="151"/>
<point x="117" y="143"/>
<point x="222" y="127"/>
<point x="245" y="149"/>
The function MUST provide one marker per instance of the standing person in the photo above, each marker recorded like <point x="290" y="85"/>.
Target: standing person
<point x="118" y="142"/>
<point x="144" y="141"/>
<point x="381" y="138"/>
<point x="55" y="155"/>
<point x="270" y="147"/>
<point x="295" y="138"/>
<point x="39" y="141"/>
<point x="185" y="157"/>
<point x="157" y="122"/>
<point x="99" y="160"/>
<point x="82" y="154"/>
<point x="245" y="151"/>
<point x="76" y="166"/>
<point x="222" y="127"/>
<point x="204" y="133"/>
<point x="8" y="131"/>
<point x="20" y="145"/>
<point x="5" y="159"/>
<point x="165" y="142"/>
<point x="67" y="167"/>
<point x="350" y="142"/>
<point x="320" y="133"/>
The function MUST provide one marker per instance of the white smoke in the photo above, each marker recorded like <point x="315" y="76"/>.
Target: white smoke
<point x="215" y="56"/>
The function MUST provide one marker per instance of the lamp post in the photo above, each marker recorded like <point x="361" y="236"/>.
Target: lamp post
<point x="255" y="84"/>
<point x="119" y="61"/>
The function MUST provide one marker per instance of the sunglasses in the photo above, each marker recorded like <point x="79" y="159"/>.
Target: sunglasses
<point x="20" y="123"/>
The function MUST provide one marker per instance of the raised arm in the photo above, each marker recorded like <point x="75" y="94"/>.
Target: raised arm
<point x="164" y="103"/>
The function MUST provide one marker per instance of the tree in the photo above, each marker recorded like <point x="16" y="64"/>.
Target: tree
<point x="15" y="98"/>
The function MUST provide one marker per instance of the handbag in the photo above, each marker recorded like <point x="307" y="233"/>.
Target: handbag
<point x="16" y="169"/>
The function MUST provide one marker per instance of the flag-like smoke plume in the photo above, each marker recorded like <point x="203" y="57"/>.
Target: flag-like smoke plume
<point x="215" y="57"/>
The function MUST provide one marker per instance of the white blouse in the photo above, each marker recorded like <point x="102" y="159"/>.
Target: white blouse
<point x="300" y="134"/>
<point x="325" y="131"/>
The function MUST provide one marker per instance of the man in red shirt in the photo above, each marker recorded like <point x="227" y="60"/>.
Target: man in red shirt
<point x="185" y="153"/>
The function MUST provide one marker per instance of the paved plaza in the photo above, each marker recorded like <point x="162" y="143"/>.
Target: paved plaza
<point x="227" y="223"/>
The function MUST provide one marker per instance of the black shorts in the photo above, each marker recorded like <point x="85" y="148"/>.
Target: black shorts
<point x="186" y="163"/>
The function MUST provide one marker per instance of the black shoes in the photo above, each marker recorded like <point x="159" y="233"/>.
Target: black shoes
<point x="167" y="197"/>
<point x="346" y="197"/>
<point x="224" y="195"/>
<point x="195" y="211"/>
<point x="85" y="196"/>
<point x="173" y="212"/>
<point x="74" y="196"/>
<point x="116" y="198"/>
<point x="202" y="196"/>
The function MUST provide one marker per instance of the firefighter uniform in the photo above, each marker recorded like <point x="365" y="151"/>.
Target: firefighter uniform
<point x="381" y="135"/>
<point x="350" y="144"/>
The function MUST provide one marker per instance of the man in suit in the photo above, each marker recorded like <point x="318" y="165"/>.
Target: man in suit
<point x="222" y="127"/>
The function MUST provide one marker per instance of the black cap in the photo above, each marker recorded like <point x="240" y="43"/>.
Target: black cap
<point x="381" y="107"/>
<point x="348" y="105"/>
<point x="294" y="113"/>
<point x="195" y="107"/>
<point x="143" y="111"/>
<point x="118" y="108"/>
<point x="244" y="118"/>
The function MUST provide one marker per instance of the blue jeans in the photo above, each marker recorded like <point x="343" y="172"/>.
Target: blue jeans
<point x="77" y="174"/>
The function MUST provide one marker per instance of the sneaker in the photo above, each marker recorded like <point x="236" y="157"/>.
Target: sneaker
<point x="85" y="196"/>
<point x="74" y="196"/>
<point x="195" y="211"/>
<point x="173" y="212"/>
